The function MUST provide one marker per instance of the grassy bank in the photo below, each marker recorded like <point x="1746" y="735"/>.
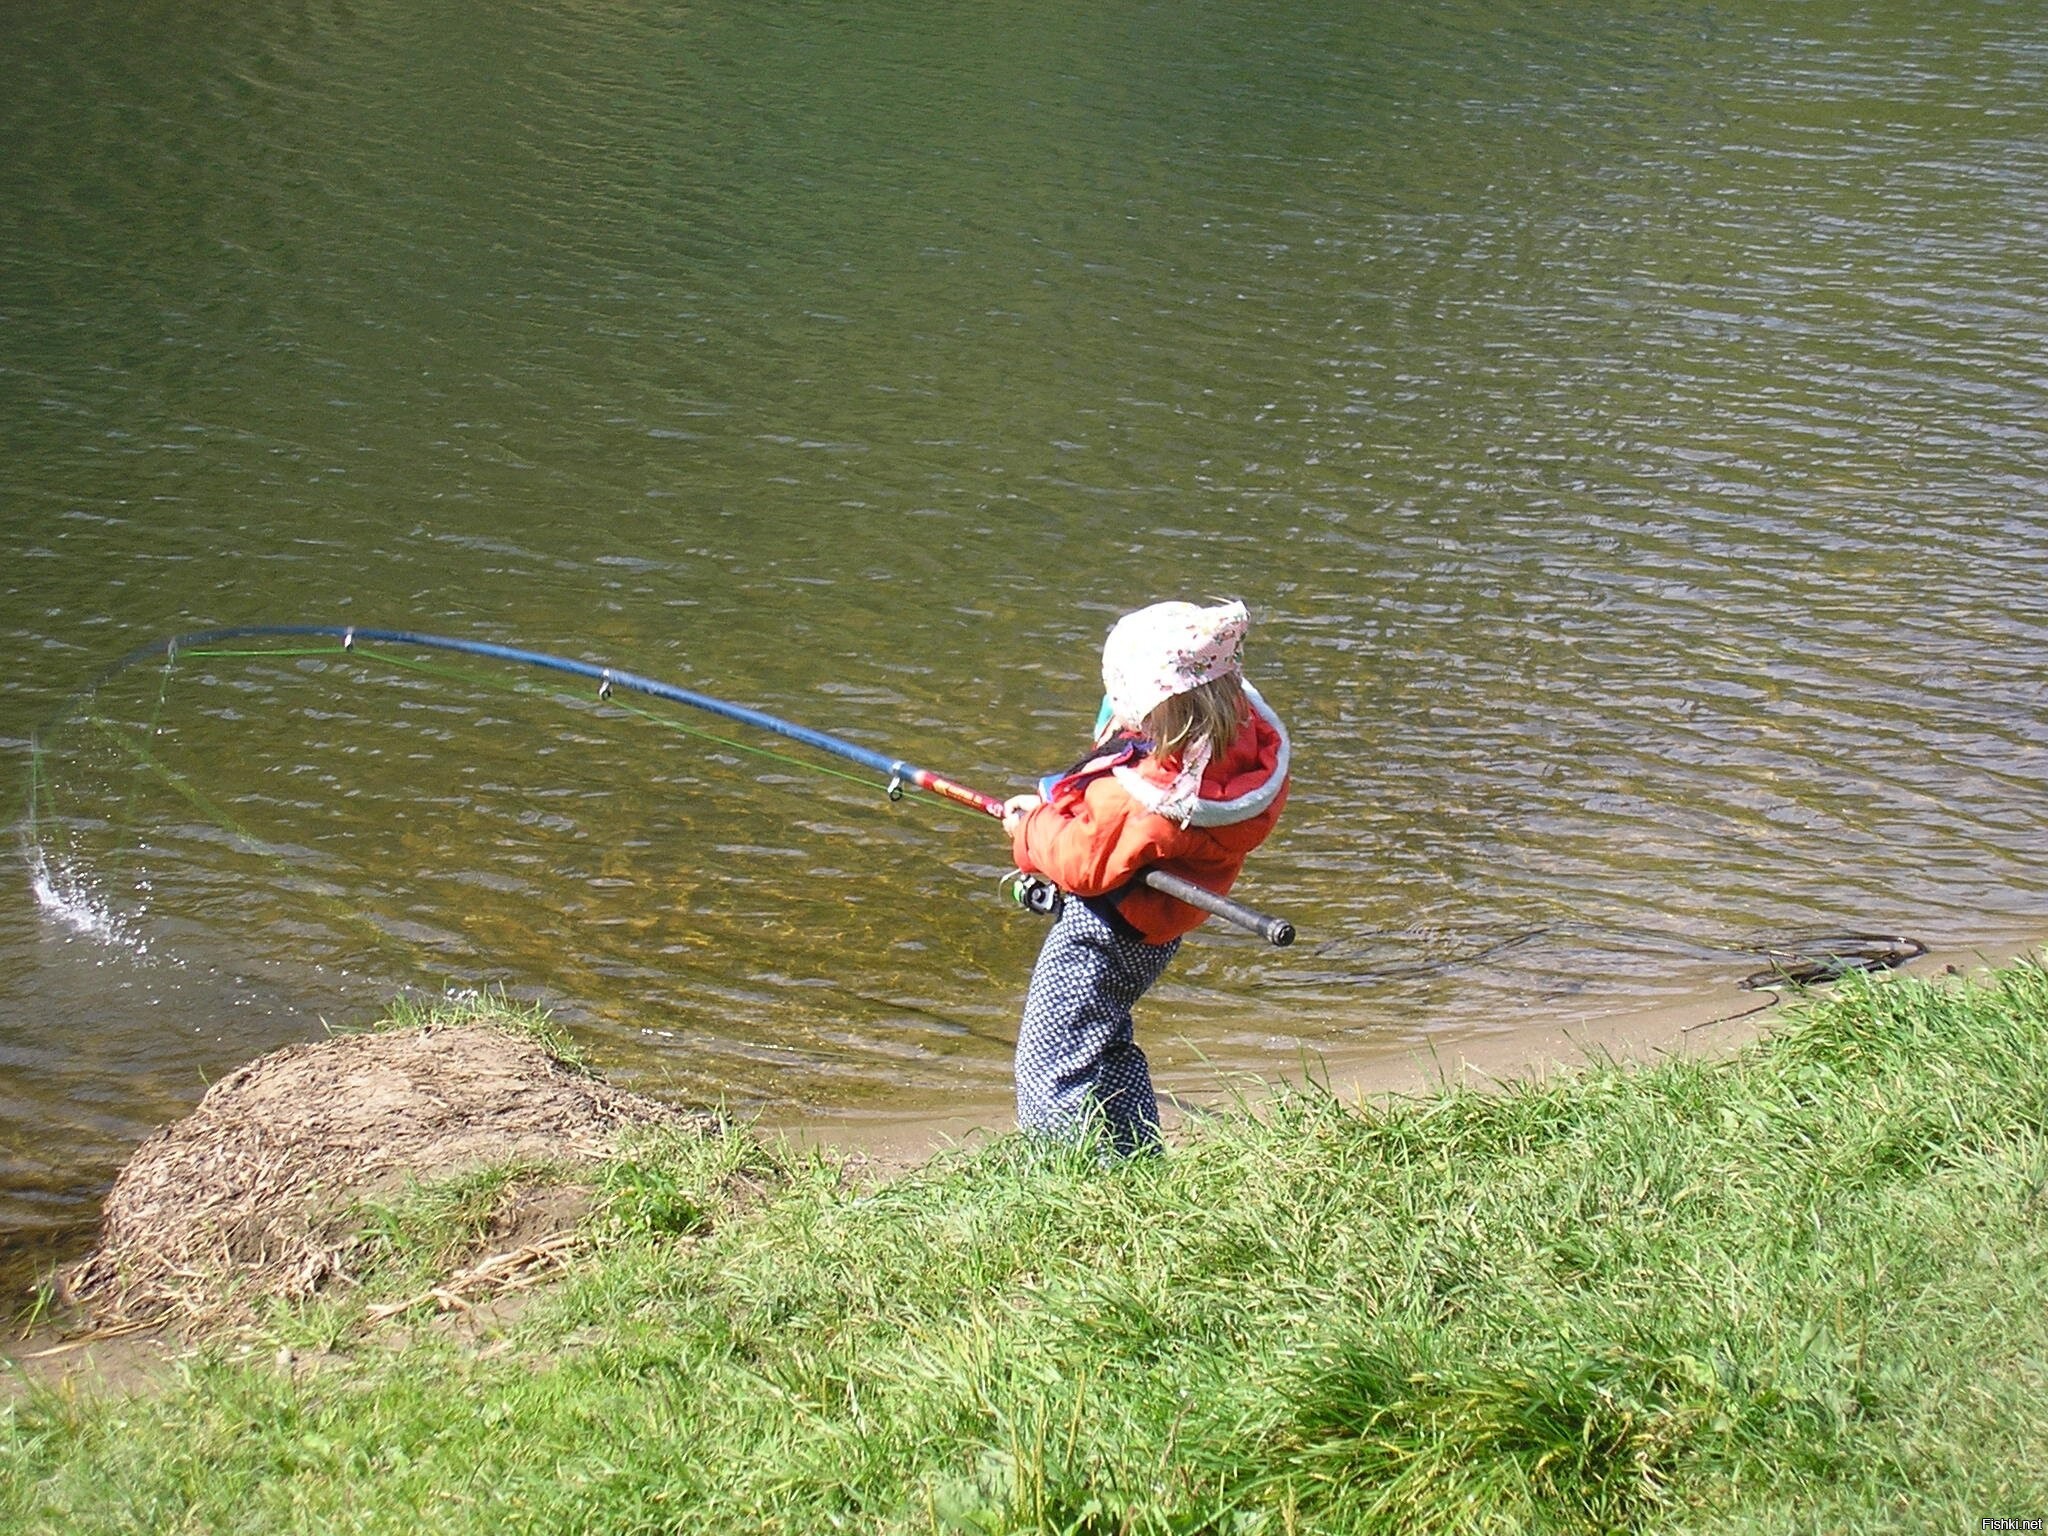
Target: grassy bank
<point x="1802" y="1289"/>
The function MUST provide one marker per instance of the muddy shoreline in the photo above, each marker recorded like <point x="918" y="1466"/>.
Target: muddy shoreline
<point x="1711" y="1022"/>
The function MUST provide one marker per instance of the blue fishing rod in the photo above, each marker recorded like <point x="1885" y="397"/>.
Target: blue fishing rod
<point x="1033" y="892"/>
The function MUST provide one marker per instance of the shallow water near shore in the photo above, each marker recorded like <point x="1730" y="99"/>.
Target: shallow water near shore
<point x="1631" y="443"/>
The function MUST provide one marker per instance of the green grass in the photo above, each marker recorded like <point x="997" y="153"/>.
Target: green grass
<point x="488" y="1007"/>
<point x="1805" y="1289"/>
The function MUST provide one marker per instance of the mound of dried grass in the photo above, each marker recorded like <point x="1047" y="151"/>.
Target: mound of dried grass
<point x="250" y="1195"/>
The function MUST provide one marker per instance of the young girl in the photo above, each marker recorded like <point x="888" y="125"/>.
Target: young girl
<point x="1188" y="774"/>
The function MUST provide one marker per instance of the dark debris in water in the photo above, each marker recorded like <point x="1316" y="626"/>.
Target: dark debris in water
<point x="1810" y="962"/>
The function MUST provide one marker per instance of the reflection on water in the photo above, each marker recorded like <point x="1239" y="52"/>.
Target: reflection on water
<point x="1630" y="440"/>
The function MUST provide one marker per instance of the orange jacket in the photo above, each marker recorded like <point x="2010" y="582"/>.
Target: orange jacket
<point x="1093" y="837"/>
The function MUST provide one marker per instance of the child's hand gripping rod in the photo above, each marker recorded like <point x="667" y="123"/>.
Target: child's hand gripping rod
<point x="1041" y="895"/>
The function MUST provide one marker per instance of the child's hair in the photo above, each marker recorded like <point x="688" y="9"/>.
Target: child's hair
<point x="1216" y="709"/>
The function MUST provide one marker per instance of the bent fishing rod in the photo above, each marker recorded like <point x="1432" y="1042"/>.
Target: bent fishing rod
<point x="1031" y="891"/>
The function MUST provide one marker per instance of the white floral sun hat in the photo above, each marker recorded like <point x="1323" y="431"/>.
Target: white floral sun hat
<point x="1168" y="648"/>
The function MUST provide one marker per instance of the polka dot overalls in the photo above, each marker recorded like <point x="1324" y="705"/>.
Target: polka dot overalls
<point x="1076" y="1058"/>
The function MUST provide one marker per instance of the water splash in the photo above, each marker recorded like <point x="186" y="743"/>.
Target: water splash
<point x="67" y="895"/>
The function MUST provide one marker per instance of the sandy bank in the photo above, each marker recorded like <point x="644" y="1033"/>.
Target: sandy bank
<point x="1711" y="1022"/>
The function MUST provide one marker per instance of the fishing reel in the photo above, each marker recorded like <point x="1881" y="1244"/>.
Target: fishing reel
<point x="1034" y="893"/>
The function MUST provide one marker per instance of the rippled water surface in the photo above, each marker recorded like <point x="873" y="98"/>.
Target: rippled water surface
<point x="1633" y="442"/>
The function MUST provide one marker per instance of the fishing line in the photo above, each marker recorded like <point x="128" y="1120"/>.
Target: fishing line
<point x="126" y="822"/>
<point x="390" y="946"/>
<point x="42" y="789"/>
<point x="674" y="724"/>
<point x="294" y="650"/>
<point x="253" y="844"/>
<point x="1038" y="895"/>
<point x="220" y="816"/>
<point x="514" y="686"/>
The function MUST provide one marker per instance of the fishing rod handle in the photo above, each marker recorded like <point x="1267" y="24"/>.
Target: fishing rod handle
<point x="1276" y="931"/>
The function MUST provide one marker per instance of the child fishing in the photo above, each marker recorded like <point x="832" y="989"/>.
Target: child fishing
<point x="1188" y="773"/>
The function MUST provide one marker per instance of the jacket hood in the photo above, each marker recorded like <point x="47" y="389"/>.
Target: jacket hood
<point x="1240" y="784"/>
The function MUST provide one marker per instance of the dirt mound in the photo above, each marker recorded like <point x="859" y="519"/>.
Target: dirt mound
<point x="249" y="1196"/>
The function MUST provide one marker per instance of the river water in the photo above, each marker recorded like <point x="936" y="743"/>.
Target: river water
<point x="1632" y="441"/>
